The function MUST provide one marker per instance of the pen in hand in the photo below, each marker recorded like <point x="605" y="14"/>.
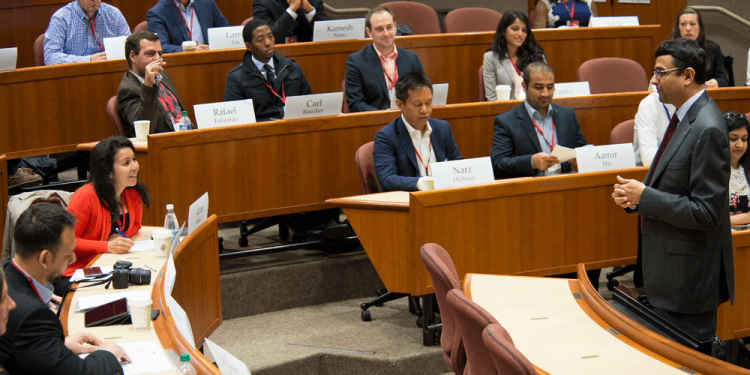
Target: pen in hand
<point x="120" y="231"/>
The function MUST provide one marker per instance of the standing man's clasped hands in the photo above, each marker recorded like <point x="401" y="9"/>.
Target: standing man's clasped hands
<point x="628" y="192"/>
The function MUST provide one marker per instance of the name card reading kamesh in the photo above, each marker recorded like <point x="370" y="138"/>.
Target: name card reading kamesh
<point x="462" y="172"/>
<point x="225" y="37"/>
<point x="605" y="158"/>
<point x="353" y="28"/>
<point x="313" y="105"/>
<point x="236" y="112"/>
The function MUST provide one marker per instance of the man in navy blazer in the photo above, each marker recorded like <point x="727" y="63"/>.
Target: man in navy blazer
<point x="405" y="148"/>
<point x="176" y="21"/>
<point x="290" y="21"/>
<point x="521" y="145"/>
<point x="372" y="71"/>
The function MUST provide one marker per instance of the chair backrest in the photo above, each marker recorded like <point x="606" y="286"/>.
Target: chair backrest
<point x="613" y="74"/>
<point x="444" y="278"/>
<point x="622" y="133"/>
<point x="366" y="167"/>
<point x="114" y="116"/>
<point x="480" y="77"/>
<point x="17" y="204"/>
<point x="471" y="320"/>
<point x="531" y="18"/>
<point x="470" y="20"/>
<point x="39" y="51"/>
<point x="420" y="17"/>
<point x="141" y="26"/>
<point x="508" y="360"/>
<point x="246" y="21"/>
<point x="344" y="103"/>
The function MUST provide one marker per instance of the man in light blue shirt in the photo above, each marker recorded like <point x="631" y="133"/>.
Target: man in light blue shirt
<point x="77" y="30"/>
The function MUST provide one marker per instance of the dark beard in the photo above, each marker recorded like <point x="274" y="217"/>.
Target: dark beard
<point x="55" y="279"/>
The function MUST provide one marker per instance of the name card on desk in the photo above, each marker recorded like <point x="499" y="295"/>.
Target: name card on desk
<point x="225" y="37"/>
<point x="235" y="112"/>
<point x="439" y="95"/>
<point x="604" y="158"/>
<point x="115" y="47"/>
<point x="228" y="364"/>
<point x="353" y="28"/>
<point x="197" y="213"/>
<point x="634" y="1"/>
<point x="567" y="89"/>
<point x="462" y="172"/>
<point x="614" y="21"/>
<point x="8" y="58"/>
<point x="181" y="320"/>
<point x="313" y="105"/>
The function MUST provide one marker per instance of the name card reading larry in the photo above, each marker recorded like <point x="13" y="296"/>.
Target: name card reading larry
<point x="236" y="112"/>
<point x="353" y="28"/>
<point x="462" y="172"/>
<point x="225" y="37"/>
<point x="605" y="158"/>
<point x="313" y="105"/>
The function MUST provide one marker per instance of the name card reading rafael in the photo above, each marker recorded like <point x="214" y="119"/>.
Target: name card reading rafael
<point x="224" y="113"/>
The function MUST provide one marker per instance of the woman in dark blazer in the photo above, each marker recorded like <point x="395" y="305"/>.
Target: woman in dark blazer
<point x="689" y="25"/>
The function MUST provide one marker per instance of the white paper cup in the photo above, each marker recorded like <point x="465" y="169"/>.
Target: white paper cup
<point x="503" y="92"/>
<point x="189" y="45"/>
<point x="430" y="181"/>
<point x="142" y="128"/>
<point x="162" y="242"/>
<point x="140" y="313"/>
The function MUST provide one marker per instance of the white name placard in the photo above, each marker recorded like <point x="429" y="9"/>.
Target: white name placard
<point x="567" y="89"/>
<point x="115" y="47"/>
<point x="353" y="28"/>
<point x="8" y="58"/>
<point x="198" y="213"/>
<point x="313" y="105"/>
<point x="613" y="21"/>
<point x="228" y="364"/>
<point x="462" y="172"/>
<point x="235" y="112"/>
<point x="225" y="37"/>
<point x="604" y="158"/>
<point x="634" y="1"/>
<point x="439" y="95"/>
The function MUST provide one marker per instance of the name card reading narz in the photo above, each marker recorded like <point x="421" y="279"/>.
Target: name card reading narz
<point x="234" y="112"/>
<point x="313" y="105"/>
<point x="462" y="172"/>
<point x="225" y="37"/>
<point x="353" y="28"/>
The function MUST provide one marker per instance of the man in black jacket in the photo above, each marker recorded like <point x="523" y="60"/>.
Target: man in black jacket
<point x="291" y="21"/>
<point x="264" y="75"/>
<point x="34" y="342"/>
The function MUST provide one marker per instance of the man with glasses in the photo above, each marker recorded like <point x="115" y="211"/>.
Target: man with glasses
<point x="685" y="259"/>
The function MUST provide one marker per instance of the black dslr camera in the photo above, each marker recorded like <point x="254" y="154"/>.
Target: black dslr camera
<point x="123" y="275"/>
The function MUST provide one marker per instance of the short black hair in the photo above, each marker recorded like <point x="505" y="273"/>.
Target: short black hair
<point x="409" y="82"/>
<point x="376" y="10"/>
<point x="247" y="31"/>
<point x="685" y="54"/>
<point x="133" y="43"/>
<point x="40" y="227"/>
<point x="536" y="67"/>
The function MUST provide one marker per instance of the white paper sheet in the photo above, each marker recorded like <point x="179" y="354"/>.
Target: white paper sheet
<point x="181" y="320"/>
<point x="89" y="302"/>
<point x="228" y="364"/>
<point x="79" y="276"/>
<point x="115" y="47"/>
<point x="563" y="153"/>
<point x="140" y="246"/>
<point x="8" y="58"/>
<point x="148" y="357"/>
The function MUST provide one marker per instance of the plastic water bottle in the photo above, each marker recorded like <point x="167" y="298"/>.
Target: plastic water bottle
<point x="185" y="123"/>
<point x="185" y="366"/>
<point x="176" y="121"/>
<point x="170" y="220"/>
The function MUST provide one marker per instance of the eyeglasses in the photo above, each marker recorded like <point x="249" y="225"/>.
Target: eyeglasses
<point x="659" y="73"/>
<point x="731" y="115"/>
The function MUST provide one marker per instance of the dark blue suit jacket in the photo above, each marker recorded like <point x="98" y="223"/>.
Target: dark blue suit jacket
<point x="395" y="160"/>
<point x="165" y="20"/>
<point x="366" y="89"/>
<point x="515" y="140"/>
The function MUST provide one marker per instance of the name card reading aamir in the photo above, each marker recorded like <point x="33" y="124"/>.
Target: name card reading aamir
<point x="8" y="58"/>
<point x="235" y="112"/>
<point x="313" y="105"/>
<point x="225" y="37"/>
<point x="353" y="28"/>
<point x="439" y="95"/>
<point x="567" y="89"/>
<point x="604" y="158"/>
<point x="462" y="172"/>
<point x="115" y="47"/>
<point x="614" y="21"/>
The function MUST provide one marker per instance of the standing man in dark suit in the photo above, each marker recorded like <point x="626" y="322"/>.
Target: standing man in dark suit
<point x="525" y="136"/>
<point x="405" y="148"/>
<point x="372" y="72"/>
<point x="34" y="342"/>
<point x="176" y="21"/>
<point x="146" y="92"/>
<point x="685" y="261"/>
<point x="291" y="21"/>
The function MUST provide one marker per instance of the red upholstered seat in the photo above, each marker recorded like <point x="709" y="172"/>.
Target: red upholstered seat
<point x="366" y="167"/>
<point x="471" y="20"/>
<point x="39" y="51"/>
<point x="508" y="360"/>
<point x="471" y="320"/>
<point x="141" y="26"/>
<point x="613" y="74"/>
<point x="114" y="116"/>
<point x="246" y="21"/>
<point x="420" y="17"/>
<point x="622" y="133"/>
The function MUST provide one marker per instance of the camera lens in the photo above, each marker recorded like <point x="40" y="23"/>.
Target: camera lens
<point x="139" y="276"/>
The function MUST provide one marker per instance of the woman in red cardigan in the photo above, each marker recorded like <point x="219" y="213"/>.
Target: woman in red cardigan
<point x="112" y="199"/>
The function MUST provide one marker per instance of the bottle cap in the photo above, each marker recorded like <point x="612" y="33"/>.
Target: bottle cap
<point x="184" y="113"/>
<point x="170" y="207"/>
<point x="184" y="357"/>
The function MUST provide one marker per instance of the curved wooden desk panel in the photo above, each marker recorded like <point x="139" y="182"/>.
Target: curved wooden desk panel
<point x="734" y="319"/>
<point x="3" y="192"/>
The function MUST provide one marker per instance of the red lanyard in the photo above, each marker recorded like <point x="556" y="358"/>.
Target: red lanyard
<point x="392" y="81"/>
<point x="92" y="25"/>
<point x="282" y="96"/>
<point x="27" y="278"/>
<point x="514" y="66"/>
<point x="552" y="144"/>
<point x="429" y="156"/>
<point x="192" y="11"/>
<point x="571" y="9"/>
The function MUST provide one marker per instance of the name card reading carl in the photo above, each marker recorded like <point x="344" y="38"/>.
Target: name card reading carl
<point x="313" y="105"/>
<point x="225" y="37"/>
<point x="353" y="28"/>
<point x="236" y="112"/>
<point x="605" y="158"/>
<point x="614" y="21"/>
<point x="462" y="172"/>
